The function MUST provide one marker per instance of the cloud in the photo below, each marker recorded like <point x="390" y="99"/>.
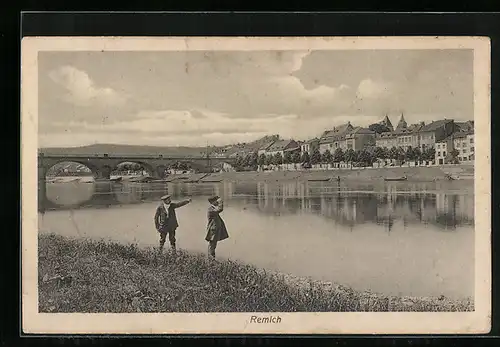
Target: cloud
<point x="226" y="96"/>
<point x="370" y="89"/>
<point x="81" y="90"/>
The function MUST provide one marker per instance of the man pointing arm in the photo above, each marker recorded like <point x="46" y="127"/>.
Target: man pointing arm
<point x="166" y="220"/>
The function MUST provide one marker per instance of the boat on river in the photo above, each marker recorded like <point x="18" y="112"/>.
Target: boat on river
<point x="390" y="179"/>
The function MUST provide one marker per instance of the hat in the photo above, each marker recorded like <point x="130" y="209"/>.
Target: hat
<point x="213" y="199"/>
<point x="165" y="197"/>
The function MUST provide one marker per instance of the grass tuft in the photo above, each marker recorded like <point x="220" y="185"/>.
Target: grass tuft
<point x="95" y="276"/>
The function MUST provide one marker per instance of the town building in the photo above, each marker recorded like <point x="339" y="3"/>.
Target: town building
<point x="443" y="150"/>
<point x="463" y="142"/>
<point x="359" y="138"/>
<point x="263" y="149"/>
<point x="309" y="146"/>
<point x="282" y="146"/>
<point x="435" y="132"/>
<point x="335" y="138"/>
<point x="403" y="137"/>
<point x="387" y="139"/>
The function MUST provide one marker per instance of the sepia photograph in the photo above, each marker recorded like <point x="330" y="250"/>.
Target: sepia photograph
<point x="256" y="185"/>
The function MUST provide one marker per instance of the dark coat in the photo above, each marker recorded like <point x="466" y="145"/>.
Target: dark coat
<point x="164" y="224"/>
<point x="216" y="228"/>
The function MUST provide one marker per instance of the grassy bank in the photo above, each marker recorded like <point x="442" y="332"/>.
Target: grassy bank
<point x="414" y="174"/>
<point x="91" y="276"/>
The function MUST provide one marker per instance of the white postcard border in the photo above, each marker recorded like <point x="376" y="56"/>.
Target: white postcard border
<point x="478" y="321"/>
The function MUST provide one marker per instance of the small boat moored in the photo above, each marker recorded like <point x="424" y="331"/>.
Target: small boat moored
<point x="390" y="179"/>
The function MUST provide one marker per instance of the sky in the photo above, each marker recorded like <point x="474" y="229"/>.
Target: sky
<point x="195" y="98"/>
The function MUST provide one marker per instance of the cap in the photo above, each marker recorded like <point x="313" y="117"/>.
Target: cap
<point x="165" y="197"/>
<point x="213" y="198"/>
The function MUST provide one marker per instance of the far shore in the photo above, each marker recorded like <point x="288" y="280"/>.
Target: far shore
<point x="77" y="275"/>
<point x="367" y="174"/>
<point x="411" y="174"/>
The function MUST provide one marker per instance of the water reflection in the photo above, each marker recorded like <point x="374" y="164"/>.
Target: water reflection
<point x="348" y="206"/>
<point x="322" y="230"/>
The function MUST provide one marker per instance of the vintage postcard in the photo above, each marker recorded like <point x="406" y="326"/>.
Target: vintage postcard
<point x="319" y="185"/>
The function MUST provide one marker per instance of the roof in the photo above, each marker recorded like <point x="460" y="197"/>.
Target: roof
<point x="462" y="134"/>
<point x="401" y="124"/>
<point x="387" y="135"/>
<point x="435" y="125"/>
<point x="266" y="145"/>
<point x="466" y="126"/>
<point x="312" y="140"/>
<point x="360" y="131"/>
<point x="337" y="133"/>
<point x="280" y="145"/>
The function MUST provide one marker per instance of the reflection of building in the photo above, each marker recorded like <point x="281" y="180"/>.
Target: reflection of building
<point x="346" y="208"/>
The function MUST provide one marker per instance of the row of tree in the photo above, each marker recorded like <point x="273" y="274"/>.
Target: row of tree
<point x="366" y="156"/>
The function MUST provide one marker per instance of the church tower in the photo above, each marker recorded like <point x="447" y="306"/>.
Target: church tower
<point x="387" y="123"/>
<point x="402" y="123"/>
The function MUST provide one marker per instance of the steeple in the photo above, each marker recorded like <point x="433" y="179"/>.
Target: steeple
<point x="402" y="123"/>
<point x="387" y="123"/>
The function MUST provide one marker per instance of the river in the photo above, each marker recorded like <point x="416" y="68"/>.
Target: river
<point x="396" y="238"/>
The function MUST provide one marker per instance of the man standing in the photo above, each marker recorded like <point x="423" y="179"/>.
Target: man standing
<point x="216" y="228"/>
<point x="166" y="220"/>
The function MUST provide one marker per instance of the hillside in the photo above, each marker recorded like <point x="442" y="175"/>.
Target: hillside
<point x="114" y="149"/>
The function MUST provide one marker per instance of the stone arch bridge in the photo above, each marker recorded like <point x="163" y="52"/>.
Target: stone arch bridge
<point x="102" y="165"/>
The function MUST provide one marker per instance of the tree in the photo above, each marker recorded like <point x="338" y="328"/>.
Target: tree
<point x="417" y="154"/>
<point x="385" y="153"/>
<point x="296" y="157"/>
<point x="305" y="157"/>
<point x="379" y="153"/>
<point x="278" y="159"/>
<point x="350" y="156"/>
<point x="326" y="157"/>
<point x="394" y="153"/>
<point x="379" y="128"/>
<point x="239" y="162"/>
<point x="409" y="154"/>
<point x="287" y="158"/>
<point x="452" y="157"/>
<point x="338" y="155"/>
<point x="366" y="156"/>
<point x="429" y="154"/>
<point x="401" y="154"/>
<point x="315" y="156"/>
<point x="269" y="160"/>
<point x="252" y="160"/>
<point x="261" y="160"/>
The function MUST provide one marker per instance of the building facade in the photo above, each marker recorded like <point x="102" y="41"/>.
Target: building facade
<point x="463" y="142"/>
<point x="435" y="132"/>
<point x="335" y="138"/>
<point x="359" y="138"/>
<point x="309" y="146"/>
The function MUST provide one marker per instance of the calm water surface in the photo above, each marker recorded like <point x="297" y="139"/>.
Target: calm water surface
<point x="396" y="238"/>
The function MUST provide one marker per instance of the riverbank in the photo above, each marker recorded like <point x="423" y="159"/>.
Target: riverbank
<point x="96" y="276"/>
<point x="413" y="174"/>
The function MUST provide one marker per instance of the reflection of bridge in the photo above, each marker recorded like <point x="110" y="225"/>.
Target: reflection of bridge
<point x="102" y="165"/>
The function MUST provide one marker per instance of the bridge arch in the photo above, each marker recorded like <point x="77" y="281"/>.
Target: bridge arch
<point x="136" y="165"/>
<point x="68" y="182"/>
